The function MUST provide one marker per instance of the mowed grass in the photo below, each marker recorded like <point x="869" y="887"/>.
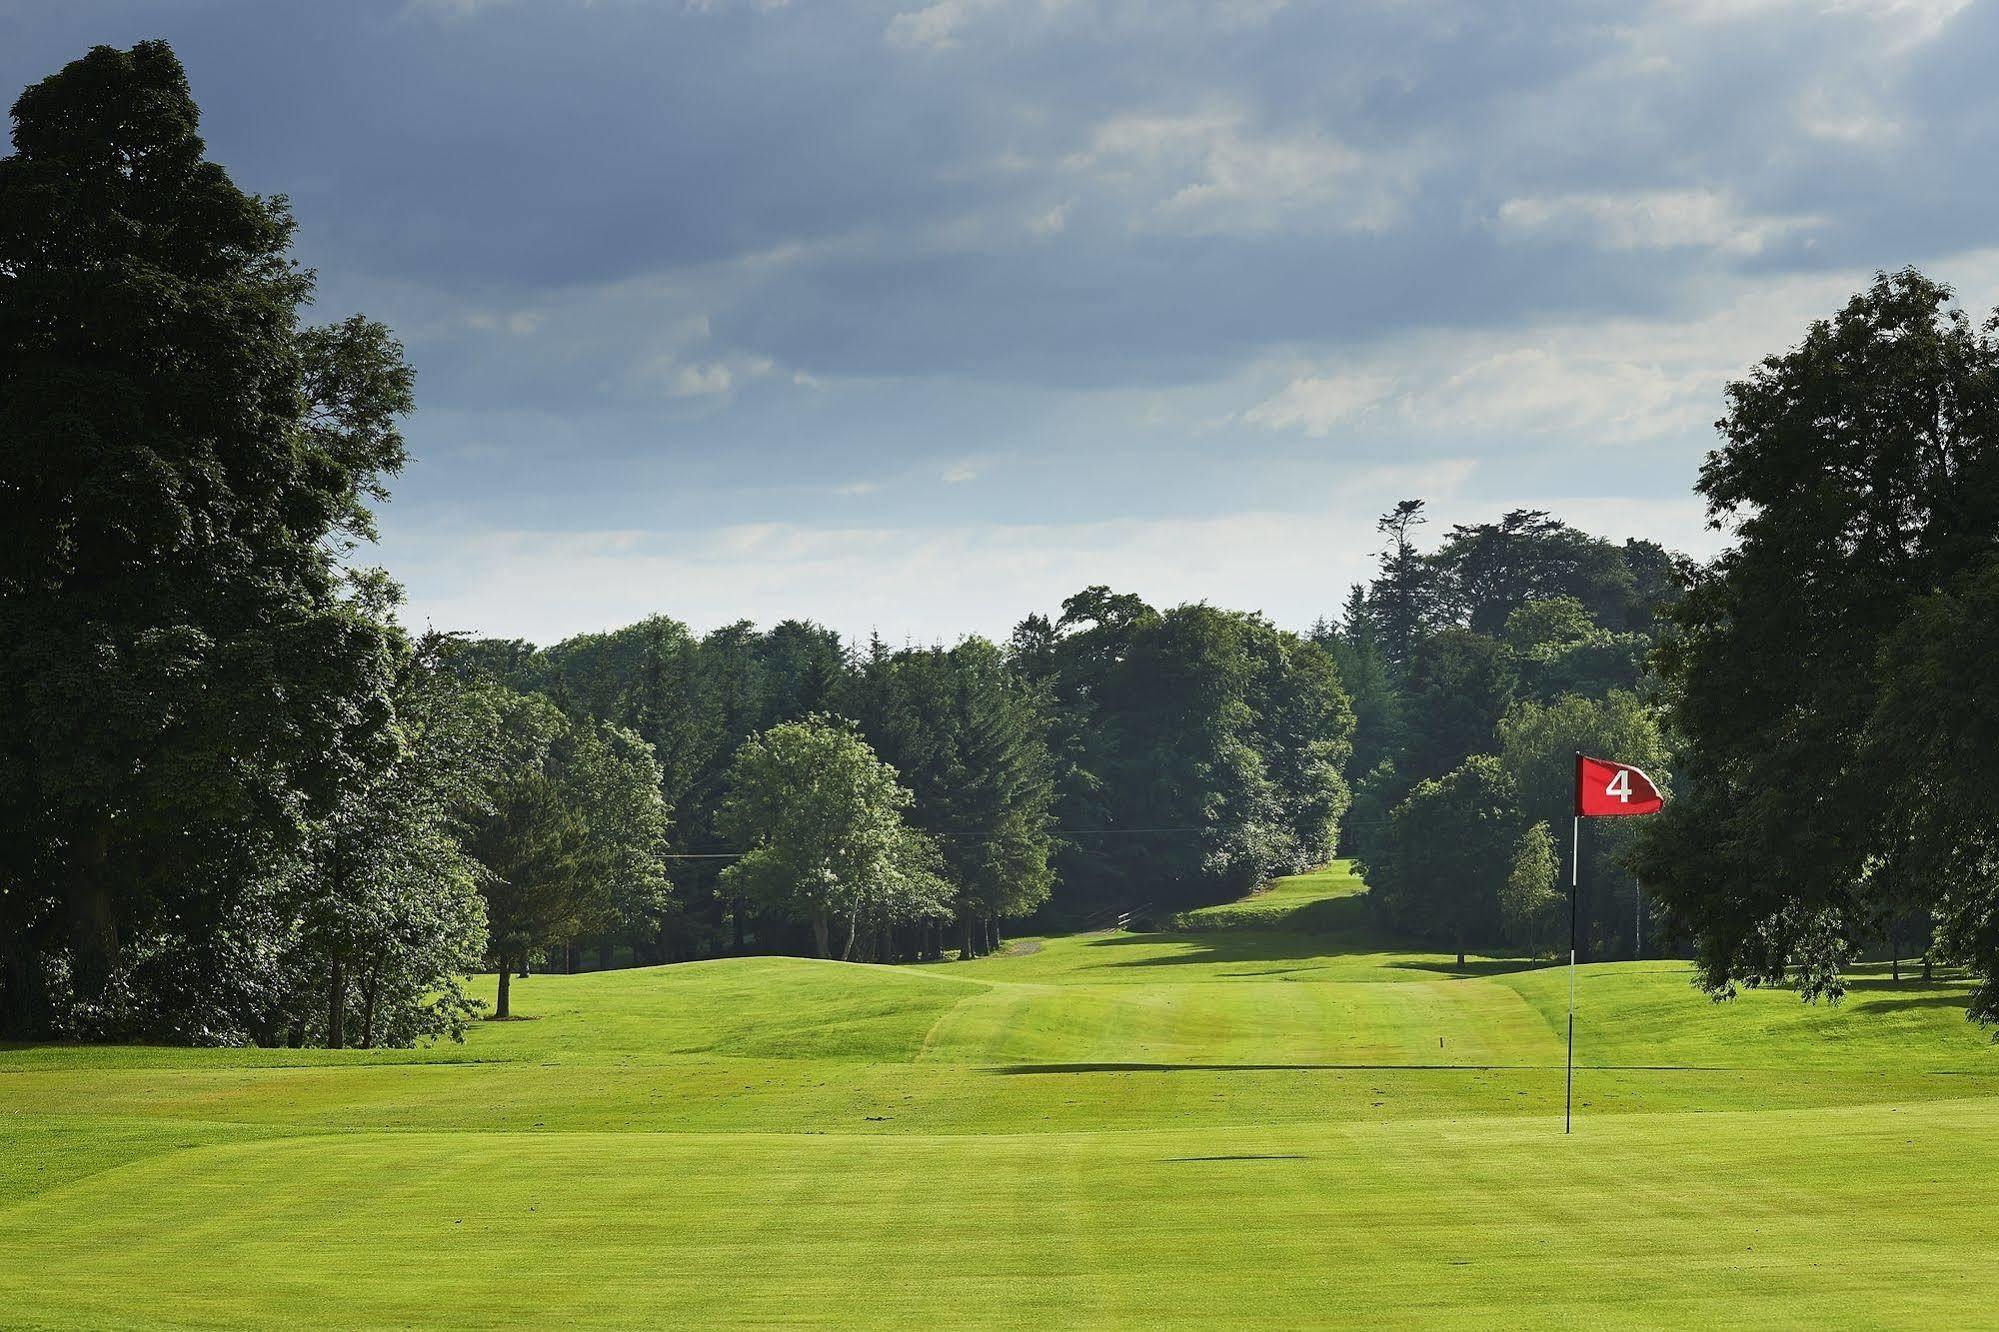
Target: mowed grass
<point x="1319" y="901"/>
<point x="1259" y="1126"/>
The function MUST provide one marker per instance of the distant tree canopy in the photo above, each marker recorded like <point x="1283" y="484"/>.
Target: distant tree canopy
<point x="969" y="733"/>
<point x="1476" y="670"/>
<point x="1811" y="672"/>
<point x="1122" y="756"/>
<point x="1200" y="750"/>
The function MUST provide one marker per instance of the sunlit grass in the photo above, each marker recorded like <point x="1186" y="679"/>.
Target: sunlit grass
<point x="1263" y="1126"/>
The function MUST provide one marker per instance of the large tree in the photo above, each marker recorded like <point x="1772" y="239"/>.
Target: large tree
<point x="1444" y="869"/>
<point x="1934" y="731"/>
<point x="1859" y="472"/>
<point x="822" y="820"/>
<point x="189" y="679"/>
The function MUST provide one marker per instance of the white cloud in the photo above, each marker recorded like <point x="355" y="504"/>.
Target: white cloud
<point x="933" y="27"/>
<point x="1050" y="222"/>
<point x="1608" y="380"/>
<point x="696" y="381"/>
<point x="959" y="472"/>
<point x="520" y="323"/>
<point x="1211" y="172"/>
<point x="1316" y="404"/>
<point x="1649" y="220"/>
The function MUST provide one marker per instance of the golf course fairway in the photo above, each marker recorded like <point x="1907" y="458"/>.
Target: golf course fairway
<point x="1279" y="1119"/>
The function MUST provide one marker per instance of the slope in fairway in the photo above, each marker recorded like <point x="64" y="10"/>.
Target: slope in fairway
<point x="1259" y="1125"/>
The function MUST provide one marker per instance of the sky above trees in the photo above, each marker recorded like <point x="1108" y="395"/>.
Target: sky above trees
<point x="915" y="318"/>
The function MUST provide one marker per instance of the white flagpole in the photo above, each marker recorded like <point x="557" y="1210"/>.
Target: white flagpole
<point x="1575" y="877"/>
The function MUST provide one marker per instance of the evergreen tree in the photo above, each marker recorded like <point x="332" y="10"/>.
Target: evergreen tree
<point x="191" y="679"/>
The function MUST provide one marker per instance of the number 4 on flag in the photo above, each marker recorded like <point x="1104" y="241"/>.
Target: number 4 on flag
<point x="1608" y="789"/>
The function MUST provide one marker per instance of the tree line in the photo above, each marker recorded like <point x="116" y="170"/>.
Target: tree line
<point x="240" y="803"/>
<point x="1478" y="669"/>
<point x="1114" y="755"/>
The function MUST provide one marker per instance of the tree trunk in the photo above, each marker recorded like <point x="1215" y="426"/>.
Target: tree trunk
<point x="336" y="1005"/>
<point x="368" y="991"/>
<point x="604" y="953"/>
<point x="569" y="959"/>
<point x="93" y="918"/>
<point x="500" y="1008"/>
<point x="820" y="931"/>
<point x="1895" y="954"/>
<point x="965" y="953"/>
<point x="24" y="992"/>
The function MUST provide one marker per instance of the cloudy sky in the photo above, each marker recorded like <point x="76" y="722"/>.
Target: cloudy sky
<point x="915" y="317"/>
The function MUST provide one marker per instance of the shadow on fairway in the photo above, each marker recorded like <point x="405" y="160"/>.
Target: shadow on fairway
<point x="1235" y="946"/>
<point x="1247" y="1156"/>
<point x="1020" y="1070"/>
<point x="1313" y="951"/>
<point x="1475" y="966"/>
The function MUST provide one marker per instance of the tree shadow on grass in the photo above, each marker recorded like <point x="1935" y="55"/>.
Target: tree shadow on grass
<point x="1878" y="1002"/>
<point x="1223" y="946"/>
<point x="1474" y="966"/>
<point x="1027" y="1070"/>
<point x="1212" y="947"/>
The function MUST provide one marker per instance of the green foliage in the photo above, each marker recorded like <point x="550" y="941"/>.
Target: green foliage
<point x="192" y="675"/>
<point x="1227" y="737"/>
<point x="1460" y="684"/>
<point x="822" y="819"/>
<point x="1484" y="572"/>
<point x="1370" y="680"/>
<point x="1560" y="649"/>
<point x="1537" y="746"/>
<point x="694" y="702"/>
<point x="383" y="907"/>
<point x="1530" y="902"/>
<point x="970" y="736"/>
<point x="1934" y="731"/>
<point x="1443" y="869"/>
<point x="570" y="831"/>
<point x="1860" y="472"/>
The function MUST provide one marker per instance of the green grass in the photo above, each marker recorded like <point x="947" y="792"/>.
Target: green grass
<point x="1258" y="1125"/>
<point x="1324" y="901"/>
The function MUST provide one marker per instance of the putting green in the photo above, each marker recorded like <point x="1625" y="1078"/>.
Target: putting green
<point x="1261" y="1126"/>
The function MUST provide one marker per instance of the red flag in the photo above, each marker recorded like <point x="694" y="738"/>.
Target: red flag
<point x="1608" y="790"/>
